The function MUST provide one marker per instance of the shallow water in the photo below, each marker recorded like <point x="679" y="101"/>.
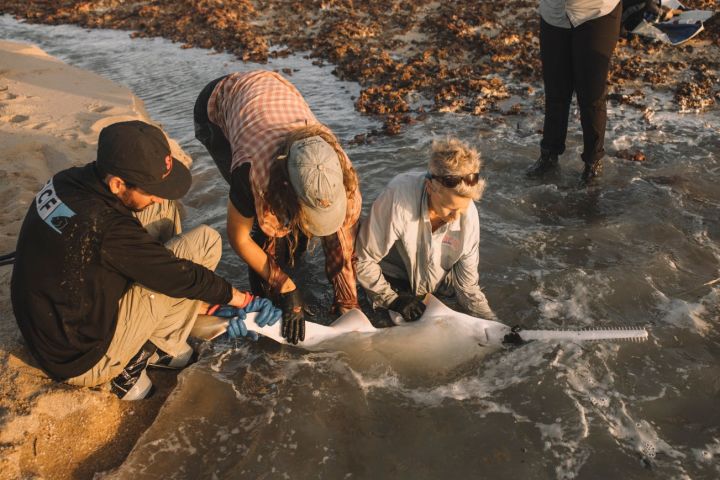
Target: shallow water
<point x="634" y="251"/>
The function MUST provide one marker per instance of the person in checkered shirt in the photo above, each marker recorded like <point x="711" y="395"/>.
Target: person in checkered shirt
<point x="289" y="180"/>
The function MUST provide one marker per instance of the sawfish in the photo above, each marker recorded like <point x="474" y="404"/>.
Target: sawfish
<point x="437" y="316"/>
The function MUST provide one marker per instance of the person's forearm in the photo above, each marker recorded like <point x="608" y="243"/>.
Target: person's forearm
<point x="252" y="254"/>
<point x="240" y="299"/>
<point x="467" y="286"/>
<point x="473" y="300"/>
<point x="482" y="309"/>
<point x="345" y="288"/>
<point x="374" y="241"/>
<point x="239" y="229"/>
<point x="259" y="262"/>
<point x="371" y="278"/>
<point x="339" y="267"/>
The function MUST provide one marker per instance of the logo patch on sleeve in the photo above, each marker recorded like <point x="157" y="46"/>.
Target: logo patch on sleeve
<point x="51" y="209"/>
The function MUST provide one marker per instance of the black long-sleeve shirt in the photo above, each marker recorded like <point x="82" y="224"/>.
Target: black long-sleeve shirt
<point x="79" y="250"/>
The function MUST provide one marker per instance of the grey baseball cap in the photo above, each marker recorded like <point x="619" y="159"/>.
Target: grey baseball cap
<point x="317" y="178"/>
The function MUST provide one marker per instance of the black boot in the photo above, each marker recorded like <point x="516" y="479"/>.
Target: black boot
<point x="591" y="172"/>
<point x="133" y="382"/>
<point x="161" y="359"/>
<point x="546" y="163"/>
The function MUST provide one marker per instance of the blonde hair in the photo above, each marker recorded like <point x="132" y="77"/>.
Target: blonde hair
<point x="280" y="195"/>
<point x="451" y="156"/>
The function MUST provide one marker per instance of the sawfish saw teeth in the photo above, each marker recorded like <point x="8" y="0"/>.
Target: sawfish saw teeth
<point x="624" y="333"/>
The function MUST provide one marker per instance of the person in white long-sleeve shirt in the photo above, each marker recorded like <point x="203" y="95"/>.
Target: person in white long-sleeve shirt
<point x="423" y="234"/>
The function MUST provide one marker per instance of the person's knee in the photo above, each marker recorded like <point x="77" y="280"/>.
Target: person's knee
<point x="211" y="242"/>
<point x="593" y="103"/>
<point x="202" y="245"/>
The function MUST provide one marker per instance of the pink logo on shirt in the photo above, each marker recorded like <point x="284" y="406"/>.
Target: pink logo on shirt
<point x="451" y="241"/>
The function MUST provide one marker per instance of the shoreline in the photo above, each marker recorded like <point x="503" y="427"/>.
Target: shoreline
<point x="460" y="57"/>
<point x="51" y="116"/>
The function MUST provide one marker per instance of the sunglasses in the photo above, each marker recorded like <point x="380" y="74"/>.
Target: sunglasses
<point x="452" y="181"/>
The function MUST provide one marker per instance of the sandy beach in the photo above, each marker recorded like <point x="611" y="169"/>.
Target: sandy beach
<point x="50" y="117"/>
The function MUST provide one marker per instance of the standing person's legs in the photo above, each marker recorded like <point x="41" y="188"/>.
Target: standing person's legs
<point x="593" y="44"/>
<point x="210" y="134"/>
<point x="557" y="67"/>
<point x="557" y="79"/>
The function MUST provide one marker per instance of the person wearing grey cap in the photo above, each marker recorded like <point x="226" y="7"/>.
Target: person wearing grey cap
<point x="104" y="283"/>
<point x="289" y="180"/>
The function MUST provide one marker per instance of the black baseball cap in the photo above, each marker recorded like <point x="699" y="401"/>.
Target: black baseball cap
<point x="136" y="152"/>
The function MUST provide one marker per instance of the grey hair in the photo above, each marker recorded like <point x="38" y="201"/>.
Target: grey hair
<point x="451" y="156"/>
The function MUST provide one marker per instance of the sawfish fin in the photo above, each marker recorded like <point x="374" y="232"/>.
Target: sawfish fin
<point x="208" y="327"/>
<point x="486" y="332"/>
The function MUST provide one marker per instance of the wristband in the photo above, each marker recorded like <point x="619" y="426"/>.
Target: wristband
<point x="248" y="298"/>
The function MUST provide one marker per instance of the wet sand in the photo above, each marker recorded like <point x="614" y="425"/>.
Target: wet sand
<point x="50" y="117"/>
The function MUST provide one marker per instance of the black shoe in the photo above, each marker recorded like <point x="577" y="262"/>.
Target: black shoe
<point x="591" y="172"/>
<point x="161" y="359"/>
<point x="133" y="382"/>
<point x="547" y="162"/>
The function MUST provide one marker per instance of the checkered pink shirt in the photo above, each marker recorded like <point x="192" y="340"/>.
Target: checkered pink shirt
<point x="256" y="111"/>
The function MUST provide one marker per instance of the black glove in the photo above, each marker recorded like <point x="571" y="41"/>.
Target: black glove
<point x="293" y="316"/>
<point x="409" y="306"/>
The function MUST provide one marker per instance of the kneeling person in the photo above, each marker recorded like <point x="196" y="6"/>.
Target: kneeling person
<point x="423" y="234"/>
<point x="103" y="284"/>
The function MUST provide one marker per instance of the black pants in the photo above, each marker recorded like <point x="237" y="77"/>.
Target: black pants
<point x="218" y="146"/>
<point x="577" y="60"/>
<point x="210" y="134"/>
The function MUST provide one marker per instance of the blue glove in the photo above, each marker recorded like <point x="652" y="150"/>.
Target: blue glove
<point x="228" y="311"/>
<point x="267" y="313"/>
<point x="236" y="325"/>
<point x="237" y="329"/>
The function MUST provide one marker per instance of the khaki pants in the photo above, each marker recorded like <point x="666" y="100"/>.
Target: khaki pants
<point x="144" y="314"/>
